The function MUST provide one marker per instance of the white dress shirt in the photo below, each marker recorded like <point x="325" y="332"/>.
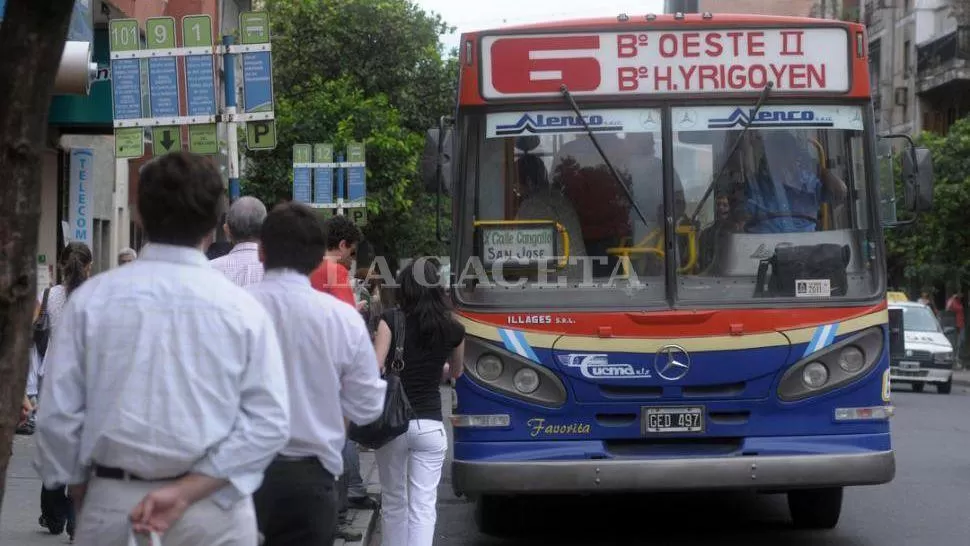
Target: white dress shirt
<point x="159" y="368"/>
<point x="241" y="265"/>
<point x="331" y="368"/>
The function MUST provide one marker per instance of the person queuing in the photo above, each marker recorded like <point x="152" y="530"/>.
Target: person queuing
<point x="165" y="395"/>
<point x="243" y="223"/>
<point x="410" y="465"/>
<point x="332" y="376"/>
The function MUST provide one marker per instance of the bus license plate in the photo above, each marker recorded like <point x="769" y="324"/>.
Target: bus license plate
<point x="673" y="419"/>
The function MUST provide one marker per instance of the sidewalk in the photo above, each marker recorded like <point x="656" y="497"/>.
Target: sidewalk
<point x="21" y="501"/>
<point x="961" y="378"/>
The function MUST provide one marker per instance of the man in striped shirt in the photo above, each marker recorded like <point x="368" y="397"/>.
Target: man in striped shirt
<point x="243" y="223"/>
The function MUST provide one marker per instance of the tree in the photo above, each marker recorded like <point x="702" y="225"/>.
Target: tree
<point x="937" y="246"/>
<point x="32" y="39"/>
<point x="368" y="70"/>
<point x="388" y="47"/>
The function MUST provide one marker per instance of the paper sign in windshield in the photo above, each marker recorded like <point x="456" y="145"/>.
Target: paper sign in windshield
<point x="813" y="288"/>
<point x="520" y="246"/>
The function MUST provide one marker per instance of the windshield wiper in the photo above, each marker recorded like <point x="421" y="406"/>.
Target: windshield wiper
<point x="734" y="148"/>
<point x="592" y="136"/>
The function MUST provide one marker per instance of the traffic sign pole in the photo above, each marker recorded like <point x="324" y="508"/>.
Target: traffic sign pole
<point x="229" y="66"/>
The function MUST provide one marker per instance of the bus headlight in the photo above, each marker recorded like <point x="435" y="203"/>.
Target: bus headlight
<point x="852" y="359"/>
<point x="843" y="363"/>
<point x="526" y="381"/>
<point x="499" y="371"/>
<point x="490" y="367"/>
<point x="815" y="375"/>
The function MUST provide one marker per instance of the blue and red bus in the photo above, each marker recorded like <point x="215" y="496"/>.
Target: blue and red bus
<point x="667" y="251"/>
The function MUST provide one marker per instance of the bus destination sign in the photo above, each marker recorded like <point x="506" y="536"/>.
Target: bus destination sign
<point x="806" y="60"/>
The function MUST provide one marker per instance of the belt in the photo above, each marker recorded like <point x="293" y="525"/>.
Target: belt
<point x="296" y="459"/>
<point x="119" y="474"/>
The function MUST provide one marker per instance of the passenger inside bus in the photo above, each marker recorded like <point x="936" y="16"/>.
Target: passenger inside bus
<point x="603" y="208"/>
<point x="789" y="186"/>
<point x="542" y="200"/>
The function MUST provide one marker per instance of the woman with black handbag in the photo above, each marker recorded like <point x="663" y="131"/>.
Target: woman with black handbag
<point x="56" y="506"/>
<point x="410" y="464"/>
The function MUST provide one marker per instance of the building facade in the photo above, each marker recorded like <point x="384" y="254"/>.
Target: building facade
<point x="86" y="193"/>
<point x="919" y="51"/>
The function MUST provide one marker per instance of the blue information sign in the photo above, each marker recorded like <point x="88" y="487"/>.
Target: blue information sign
<point x="257" y="82"/>
<point x="301" y="185"/>
<point x="322" y="185"/>
<point x="163" y="87"/>
<point x="126" y="85"/>
<point x="356" y="184"/>
<point x="200" y="92"/>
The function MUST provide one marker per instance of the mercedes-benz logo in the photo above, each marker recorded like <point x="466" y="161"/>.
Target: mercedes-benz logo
<point x="672" y="362"/>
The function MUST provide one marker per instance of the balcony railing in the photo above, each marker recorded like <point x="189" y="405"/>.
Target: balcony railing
<point x="948" y="51"/>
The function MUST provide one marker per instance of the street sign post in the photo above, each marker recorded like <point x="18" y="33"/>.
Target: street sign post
<point x="126" y="87"/>
<point x="322" y="177"/>
<point x="301" y="175"/>
<point x="200" y="84"/>
<point x="356" y="173"/>
<point x="257" y="66"/>
<point x="330" y="198"/>
<point x="163" y="84"/>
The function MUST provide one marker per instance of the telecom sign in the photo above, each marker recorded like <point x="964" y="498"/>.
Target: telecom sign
<point x="126" y="93"/>
<point x="257" y="68"/>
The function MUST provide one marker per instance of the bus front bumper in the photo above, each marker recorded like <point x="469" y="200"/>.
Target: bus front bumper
<point x="691" y="474"/>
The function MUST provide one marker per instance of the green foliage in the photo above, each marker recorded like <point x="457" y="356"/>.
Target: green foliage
<point x="937" y="246"/>
<point x="367" y="70"/>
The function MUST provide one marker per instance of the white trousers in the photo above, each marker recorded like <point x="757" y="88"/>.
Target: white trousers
<point x="410" y="470"/>
<point x="104" y="518"/>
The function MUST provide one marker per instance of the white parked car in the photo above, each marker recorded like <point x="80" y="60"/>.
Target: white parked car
<point x="928" y="357"/>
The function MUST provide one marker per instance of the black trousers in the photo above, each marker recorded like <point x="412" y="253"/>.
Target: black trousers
<point x="297" y="503"/>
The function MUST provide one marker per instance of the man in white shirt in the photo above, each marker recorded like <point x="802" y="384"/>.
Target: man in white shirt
<point x="242" y="226"/>
<point x="332" y="373"/>
<point x="165" y="395"/>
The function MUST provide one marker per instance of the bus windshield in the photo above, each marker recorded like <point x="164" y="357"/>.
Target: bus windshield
<point x="543" y="190"/>
<point x="794" y="189"/>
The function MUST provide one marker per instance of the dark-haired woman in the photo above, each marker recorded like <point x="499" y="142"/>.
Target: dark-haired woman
<point x="410" y="465"/>
<point x="56" y="507"/>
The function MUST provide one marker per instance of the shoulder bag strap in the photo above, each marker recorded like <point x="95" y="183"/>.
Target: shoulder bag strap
<point x="43" y="303"/>
<point x="397" y="363"/>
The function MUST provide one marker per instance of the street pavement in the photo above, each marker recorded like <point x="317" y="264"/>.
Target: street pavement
<point x="21" y="502"/>
<point x="926" y="504"/>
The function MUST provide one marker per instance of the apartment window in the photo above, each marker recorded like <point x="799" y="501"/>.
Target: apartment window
<point x="907" y="67"/>
<point x="875" y="64"/>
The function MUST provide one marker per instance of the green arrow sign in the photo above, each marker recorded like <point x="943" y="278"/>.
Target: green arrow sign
<point x="254" y="27"/>
<point x="166" y="140"/>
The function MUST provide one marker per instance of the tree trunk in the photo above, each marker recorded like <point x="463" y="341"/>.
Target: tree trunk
<point x="32" y="39"/>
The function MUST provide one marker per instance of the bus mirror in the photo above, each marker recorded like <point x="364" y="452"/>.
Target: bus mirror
<point x="436" y="160"/>
<point x="917" y="166"/>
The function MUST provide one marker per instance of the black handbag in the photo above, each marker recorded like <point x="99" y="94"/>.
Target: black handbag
<point x="42" y="327"/>
<point x="396" y="418"/>
<point x="790" y="264"/>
